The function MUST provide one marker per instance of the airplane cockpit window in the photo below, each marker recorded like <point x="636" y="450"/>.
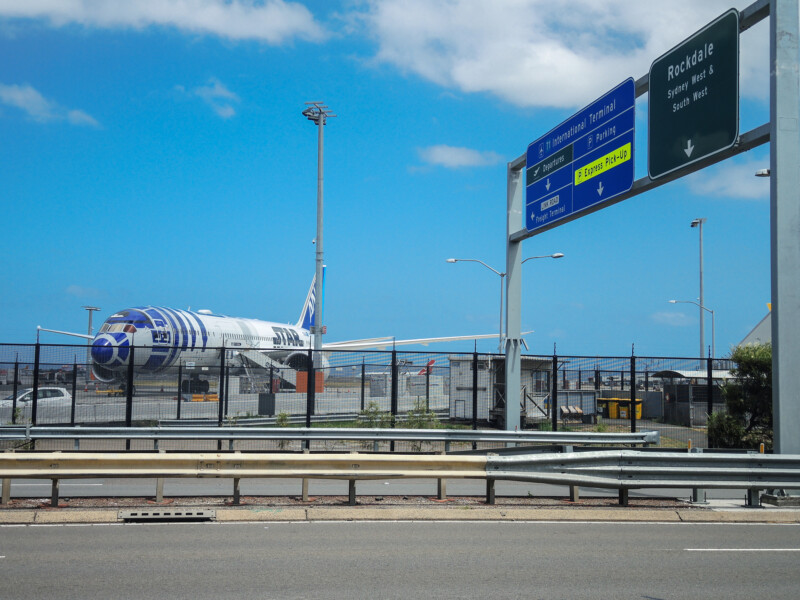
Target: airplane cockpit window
<point x="118" y="328"/>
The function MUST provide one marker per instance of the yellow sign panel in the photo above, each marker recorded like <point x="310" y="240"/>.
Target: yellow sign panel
<point x="603" y="164"/>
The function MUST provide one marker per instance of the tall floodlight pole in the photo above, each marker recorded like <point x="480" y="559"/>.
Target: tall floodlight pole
<point x="318" y="113"/>
<point x="699" y="224"/>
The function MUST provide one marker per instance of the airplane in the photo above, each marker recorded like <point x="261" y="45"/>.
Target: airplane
<point x="167" y="337"/>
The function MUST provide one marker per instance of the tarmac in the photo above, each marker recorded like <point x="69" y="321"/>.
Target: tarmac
<point x="715" y="511"/>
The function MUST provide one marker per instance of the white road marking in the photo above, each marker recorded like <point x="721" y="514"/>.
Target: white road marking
<point x="742" y="549"/>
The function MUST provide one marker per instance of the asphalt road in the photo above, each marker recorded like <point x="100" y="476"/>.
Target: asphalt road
<point x="400" y="560"/>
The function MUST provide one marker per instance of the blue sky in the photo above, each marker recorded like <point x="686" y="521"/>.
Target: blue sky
<point x="154" y="153"/>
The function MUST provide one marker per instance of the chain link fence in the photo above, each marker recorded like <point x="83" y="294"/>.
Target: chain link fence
<point x="56" y="384"/>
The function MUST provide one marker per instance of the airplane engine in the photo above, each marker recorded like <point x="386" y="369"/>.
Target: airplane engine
<point x="299" y="361"/>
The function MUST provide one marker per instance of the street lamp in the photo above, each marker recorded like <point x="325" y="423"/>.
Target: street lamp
<point x="502" y="276"/>
<point x="699" y="224"/>
<point x="318" y="113"/>
<point x="713" y="349"/>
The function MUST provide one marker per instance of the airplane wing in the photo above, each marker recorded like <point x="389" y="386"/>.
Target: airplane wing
<point x="388" y="342"/>
<point x="383" y="343"/>
<point x="80" y="335"/>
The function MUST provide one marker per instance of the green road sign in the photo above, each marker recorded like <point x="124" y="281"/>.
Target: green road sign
<point x="694" y="98"/>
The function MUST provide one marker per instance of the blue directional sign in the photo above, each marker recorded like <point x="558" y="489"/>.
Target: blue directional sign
<point x="586" y="160"/>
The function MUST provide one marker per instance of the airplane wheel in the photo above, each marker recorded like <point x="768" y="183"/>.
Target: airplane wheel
<point x="205" y="386"/>
<point x="185" y="387"/>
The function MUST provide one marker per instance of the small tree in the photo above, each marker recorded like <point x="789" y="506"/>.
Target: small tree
<point x="748" y="398"/>
<point x="372" y="417"/>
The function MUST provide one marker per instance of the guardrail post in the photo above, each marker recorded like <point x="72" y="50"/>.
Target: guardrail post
<point x="304" y="490"/>
<point x="54" y="494"/>
<point x="753" y="498"/>
<point x="6" y="496"/>
<point x="698" y="494"/>
<point x="236" y="491"/>
<point x="441" y="484"/>
<point x="554" y="395"/>
<point x="74" y="392"/>
<point x="35" y="400"/>
<point x="160" y="489"/>
<point x="490" y="491"/>
<point x="351" y="492"/>
<point x="623" y="496"/>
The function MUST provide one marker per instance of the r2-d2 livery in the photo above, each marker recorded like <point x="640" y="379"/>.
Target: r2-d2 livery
<point x="164" y="338"/>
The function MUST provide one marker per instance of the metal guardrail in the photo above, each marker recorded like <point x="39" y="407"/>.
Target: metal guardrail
<point x="292" y="420"/>
<point x="629" y="469"/>
<point x="28" y="433"/>
<point x="619" y="469"/>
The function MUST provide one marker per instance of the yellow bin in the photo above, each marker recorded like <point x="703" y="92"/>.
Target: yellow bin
<point x="613" y="408"/>
<point x="624" y="408"/>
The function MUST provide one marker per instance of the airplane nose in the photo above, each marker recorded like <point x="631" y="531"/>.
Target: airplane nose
<point x="102" y="351"/>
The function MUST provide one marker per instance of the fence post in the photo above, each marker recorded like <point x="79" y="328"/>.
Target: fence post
<point x="129" y="396"/>
<point x="475" y="395"/>
<point x="710" y="387"/>
<point x="554" y="395"/>
<point x="180" y="390"/>
<point x="272" y="380"/>
<point x="16" y="389"/>
<point x="35" y="399"/>
<point x="311" y="397"/>
<point x="221" y="393"/>
<point x="428" y="387"/>
<point x="129" y="391"/>
<point x="393" y="394"/>
<point x="633" y="394"/>
<point x="74" y="392"/>
<point x="363" y="381"/>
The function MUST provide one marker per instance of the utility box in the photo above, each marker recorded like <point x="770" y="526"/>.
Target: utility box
<point x="266" y="404"/>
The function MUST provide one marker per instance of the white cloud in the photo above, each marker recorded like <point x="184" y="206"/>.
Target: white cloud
<point x="455" y="158"/>
<point x="673" y="319"/>
<point x="218" y="97"/>
<point x="732" y="179"/>
<point x="215" y="94"/>
<point x="82" y="292"/>
<point x="29" y="100"/>
<point x="78" y="117"/>
<point x="270" y="21"/>
<point x="541" y="52"/>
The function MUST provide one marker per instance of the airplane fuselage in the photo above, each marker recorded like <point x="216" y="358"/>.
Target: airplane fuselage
<point x="163" y="338"/>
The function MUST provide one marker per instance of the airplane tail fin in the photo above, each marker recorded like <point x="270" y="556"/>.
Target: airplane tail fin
<point x="308" y="314"/>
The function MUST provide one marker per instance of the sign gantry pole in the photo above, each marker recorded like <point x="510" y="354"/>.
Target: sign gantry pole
<point x="785" y="224"/>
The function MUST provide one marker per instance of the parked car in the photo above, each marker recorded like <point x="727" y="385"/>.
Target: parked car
<point x="47" y="396"/>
